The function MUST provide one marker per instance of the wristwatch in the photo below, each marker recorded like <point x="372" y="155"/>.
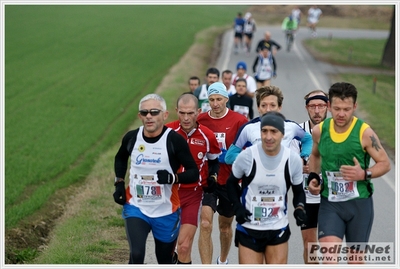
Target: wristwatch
<point x="368" y="174"/>
<point x="117" y="180"/>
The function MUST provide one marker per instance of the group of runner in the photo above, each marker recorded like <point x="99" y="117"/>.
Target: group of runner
<point x="217" y="158"/>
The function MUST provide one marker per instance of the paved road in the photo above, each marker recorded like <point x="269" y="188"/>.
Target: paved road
<point x="299" y="73"/>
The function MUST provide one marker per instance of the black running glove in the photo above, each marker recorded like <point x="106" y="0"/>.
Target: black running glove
<point x="119" y="194"/>
<point x="242" y="214"/>
<point x="165" y="177"/>
<point x="313" y="175"/>
<point x="211" y="185"/>
<point x="300" y="216"/>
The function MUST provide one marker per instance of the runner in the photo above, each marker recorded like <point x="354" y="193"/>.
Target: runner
<point x="240" y="102"/>
<point x="205" y="150"/>
<point x="316" y="105"/>
<point x="264" y="68"/>
<point x="238" y="28"/>
<point x="249" y="28"/>
<point x="314" y="14"/>
<point x="269" y="98"/>
<point x="212" y="75"/>
<point x="224" y="123"/>
<point x="241" y="68"/>
<point x="266" y="171"/>
<point x="151" y="202"/>
<point x="342" y="149"/>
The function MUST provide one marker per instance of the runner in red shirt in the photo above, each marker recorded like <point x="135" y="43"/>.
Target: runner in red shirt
<point x="225" y="123"/>
<point x="205" y="150"/>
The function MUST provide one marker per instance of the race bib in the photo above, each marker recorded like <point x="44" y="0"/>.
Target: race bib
<point x="221" y="138"/>
<point x="244" y="110"/>
<point x="339" y="189"/>
<point x="266" y="210"/>
<point x="148" y="191"/>
<point x="205" y="106"/>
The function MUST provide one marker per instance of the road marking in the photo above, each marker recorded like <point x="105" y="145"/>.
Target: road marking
<point x="228" y="51"/>
<point x="313" y="78"/>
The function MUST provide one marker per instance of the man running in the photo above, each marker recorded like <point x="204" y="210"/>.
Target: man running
<point x="205" y="151"/>
<point x="266" y="171"/>
<point x="151" y="202"/>
<point x="342" y="150"/>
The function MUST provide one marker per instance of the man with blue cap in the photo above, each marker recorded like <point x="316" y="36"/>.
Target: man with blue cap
<point x="225" y="123"/>
<point x="241" y="69"/>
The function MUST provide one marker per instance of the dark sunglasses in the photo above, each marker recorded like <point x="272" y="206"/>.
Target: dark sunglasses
<point x="153" y="112"/>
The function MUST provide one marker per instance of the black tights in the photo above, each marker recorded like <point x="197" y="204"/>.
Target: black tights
<point x="137" y="231"/>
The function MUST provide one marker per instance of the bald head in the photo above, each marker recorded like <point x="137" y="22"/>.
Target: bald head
<point x="187" y="98"/>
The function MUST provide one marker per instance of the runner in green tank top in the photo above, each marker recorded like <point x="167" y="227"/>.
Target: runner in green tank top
<point x="342" y="148"/>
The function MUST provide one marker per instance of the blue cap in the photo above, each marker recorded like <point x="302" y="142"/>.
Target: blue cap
<point x="217" y="88"/>
<point x="241" y="65"/>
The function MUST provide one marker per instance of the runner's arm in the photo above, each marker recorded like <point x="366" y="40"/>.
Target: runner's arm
<point x="231" y="154"/>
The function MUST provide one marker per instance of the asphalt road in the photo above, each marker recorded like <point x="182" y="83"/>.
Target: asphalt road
<point x="299" y="73"/>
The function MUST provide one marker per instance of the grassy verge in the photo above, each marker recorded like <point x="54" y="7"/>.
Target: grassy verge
<point x="349" y="52"/>
<point x="74" y="74"/>
<point x="376" y="90"/>
<point x="376" y="104"/>
<point x="100" y="238"/>
<point x="72" y="78"/>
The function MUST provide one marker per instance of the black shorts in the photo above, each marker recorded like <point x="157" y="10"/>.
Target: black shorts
<point x="210" y="199"/>
<point x="238" y="35"/>
<point x="261" y="80"/>
<point x="259" y="240"/>
<point x="312" y="216"/>
<point x="219" y="201"/>
<point x="249" y="36"/>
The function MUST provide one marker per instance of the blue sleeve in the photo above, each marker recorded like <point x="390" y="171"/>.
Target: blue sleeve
<point x="232" y="153"/>
<point x="306" y="145"/>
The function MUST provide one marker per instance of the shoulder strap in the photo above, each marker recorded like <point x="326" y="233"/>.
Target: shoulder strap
<point x="287" y="175"/>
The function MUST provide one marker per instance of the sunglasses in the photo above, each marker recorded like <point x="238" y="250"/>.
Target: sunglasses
<point x="153" y="112"/>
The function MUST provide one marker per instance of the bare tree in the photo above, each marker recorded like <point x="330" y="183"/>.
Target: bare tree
<point x="388" y="58"/>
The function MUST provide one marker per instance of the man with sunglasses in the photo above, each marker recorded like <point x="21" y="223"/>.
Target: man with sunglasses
<point x="151" y="201"/>
<point x="317" y="108"/>
<point x="205" y="151"/>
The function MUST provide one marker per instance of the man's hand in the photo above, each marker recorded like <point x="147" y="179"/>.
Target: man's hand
<point x="242" y="214"/>
<point x="300" y="215"/>
<point x="165" y="177"/>
<point x="314" y="183"/>
<point x="352" y="173"/>
<point x="119" y="194"/>
<point x="211" y="184"/>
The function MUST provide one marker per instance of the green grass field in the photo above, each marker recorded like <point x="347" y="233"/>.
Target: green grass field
<point x="356" y="52"/>
<point x="73" y="73"/>
<point x="376" y="99"/>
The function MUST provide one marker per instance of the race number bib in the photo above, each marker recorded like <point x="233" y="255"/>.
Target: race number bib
<point x="266" y="210"/>
<point x="244" y="110"/>
<point x="148" y="191"/>
<point x="221" y="138"/>
<point x="339" y="189"/>
<point x="205" y="106"/>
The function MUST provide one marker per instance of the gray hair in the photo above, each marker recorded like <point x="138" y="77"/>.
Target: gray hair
<point x="153" y="96"/>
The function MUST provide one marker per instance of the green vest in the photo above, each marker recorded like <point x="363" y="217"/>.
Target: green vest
<point x="339" y="149"/>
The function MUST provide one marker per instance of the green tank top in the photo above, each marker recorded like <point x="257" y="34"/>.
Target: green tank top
<point x="339" y="149"/>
